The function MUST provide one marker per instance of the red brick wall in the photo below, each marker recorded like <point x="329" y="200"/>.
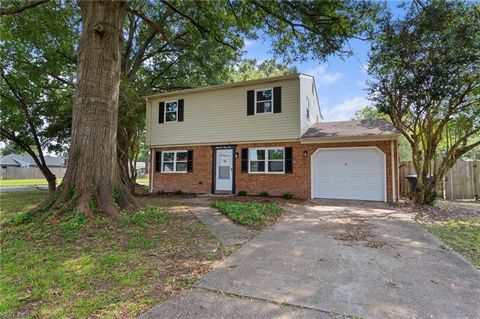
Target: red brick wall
<point x="197" y="181"/>
<point x="297" y="183"/>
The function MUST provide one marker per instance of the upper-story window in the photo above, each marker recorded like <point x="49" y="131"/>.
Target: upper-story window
<point x="308" y="108"/>
<point x="263" y="101"/>
<point x="171" y="111"/>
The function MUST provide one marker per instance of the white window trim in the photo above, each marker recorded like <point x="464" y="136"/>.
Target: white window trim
<point x="165" y="113"/>
<point x="255" y="104"/>
<point x="266" y="160"/>
<point x="174" y="162"/>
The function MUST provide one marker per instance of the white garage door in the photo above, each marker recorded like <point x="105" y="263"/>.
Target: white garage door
<point x="349" y="173"/>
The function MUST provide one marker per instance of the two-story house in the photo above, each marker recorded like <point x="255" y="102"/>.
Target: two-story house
<point x="266" y="136"/>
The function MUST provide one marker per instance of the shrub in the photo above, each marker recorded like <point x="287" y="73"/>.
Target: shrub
<point x="264" y="194"/>
<point x="179" y="192"/>
<point x="287" y="195"/>
<point x="242" y="193"/>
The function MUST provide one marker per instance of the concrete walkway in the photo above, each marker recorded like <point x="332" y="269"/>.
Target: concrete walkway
<point x="225" y="231"/>
<point x="352" y="258"/>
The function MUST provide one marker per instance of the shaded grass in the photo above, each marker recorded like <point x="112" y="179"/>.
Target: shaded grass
<point x="462" y="236"/>
<point x="25" y="182"/>
<point x="251" y="213"/>
<point x="12" y="203"/>
<point x="63" y="265"/>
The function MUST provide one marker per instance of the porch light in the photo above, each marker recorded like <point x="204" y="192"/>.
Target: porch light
<point x="305" y="153"/>
<point x="236" y="155"/>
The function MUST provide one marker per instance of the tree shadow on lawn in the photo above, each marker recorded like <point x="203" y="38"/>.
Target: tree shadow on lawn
<point x="64" y="265"/>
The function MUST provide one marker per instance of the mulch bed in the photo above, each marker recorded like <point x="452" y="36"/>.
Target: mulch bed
<point x="442" y="210"/>
<point x="260" y="199"/>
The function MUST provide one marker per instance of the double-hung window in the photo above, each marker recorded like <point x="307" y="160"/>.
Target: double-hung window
<point x="175" y="162"/>
<point x="264" y="101"/>
<point x="267" y="160"/>
<point x="171" y="111"/>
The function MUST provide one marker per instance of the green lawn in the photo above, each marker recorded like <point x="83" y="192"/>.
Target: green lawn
<point x="33" y="182"/>
<point x="252" y="214"/>
<point x="63" y="265"/>
<point x="25" y="182"/>
<point x="460" y="235"/>
<point x="142" y="180"/>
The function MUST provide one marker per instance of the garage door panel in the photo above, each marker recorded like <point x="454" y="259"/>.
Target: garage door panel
<point x="349" y="174"/>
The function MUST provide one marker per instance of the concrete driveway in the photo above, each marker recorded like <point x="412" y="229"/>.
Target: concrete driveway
<point x="329" y="258"/>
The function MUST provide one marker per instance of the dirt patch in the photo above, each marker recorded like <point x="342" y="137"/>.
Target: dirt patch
<point x="356" y="230"/>
<point x="442" y="211"/>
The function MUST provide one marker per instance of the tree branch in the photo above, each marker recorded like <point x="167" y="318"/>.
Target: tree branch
<point x="23" y="7"/>
<point x="151" y="24"/>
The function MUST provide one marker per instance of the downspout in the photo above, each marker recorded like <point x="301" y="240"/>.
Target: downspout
<point x="392" y="160"/>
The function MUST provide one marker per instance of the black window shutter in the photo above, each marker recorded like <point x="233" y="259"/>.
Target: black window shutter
<point x="190" y="161"/>
<point x="244" y="160"/>
<point x="277" y="99"/>
<point x="180" y="110"/>
<point x="251" y="102"/>
<point x="288" y="160"/>
<point x="158" y="161"/>
<point x="161" y="112"/>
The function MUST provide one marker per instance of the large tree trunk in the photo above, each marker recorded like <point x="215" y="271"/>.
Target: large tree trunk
<point x="123" y="159"/>
<point x="93" y="172"/>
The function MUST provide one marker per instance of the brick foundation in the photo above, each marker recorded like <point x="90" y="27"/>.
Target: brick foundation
<point x="298" y="183"/>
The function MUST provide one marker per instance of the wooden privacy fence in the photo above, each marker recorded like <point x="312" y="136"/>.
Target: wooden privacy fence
<point x="12" y="172"/>
<point x="461" y="182"/>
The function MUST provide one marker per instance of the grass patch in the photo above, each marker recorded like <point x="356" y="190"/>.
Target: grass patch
<point x="65" y="265"/>
<point x="462" y="236"/>
<point x="252" y="213"/>
<point x="24" y="182"/>
<point x="142" y="180"/>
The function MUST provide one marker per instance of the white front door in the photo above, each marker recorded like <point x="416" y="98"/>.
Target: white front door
<point x="224" y="170"/>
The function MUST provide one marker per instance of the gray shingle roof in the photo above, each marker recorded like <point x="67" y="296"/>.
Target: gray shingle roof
<point x="22" y="160"/>
<point x="354" y="128"/>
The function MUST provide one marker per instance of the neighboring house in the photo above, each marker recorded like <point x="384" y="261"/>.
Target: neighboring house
<point x="140" y="168"/>
<point x="19" y="166"/>
<point x="265" y="136"/>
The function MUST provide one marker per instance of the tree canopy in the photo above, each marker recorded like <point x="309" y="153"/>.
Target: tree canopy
<point x="166" y="45"/>
<point x="426" y="77"/>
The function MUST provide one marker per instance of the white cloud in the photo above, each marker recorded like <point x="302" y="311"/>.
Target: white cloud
<point x="248" y="43"/>
<point x="344" y="111"/>
<point x="323" y="76"/>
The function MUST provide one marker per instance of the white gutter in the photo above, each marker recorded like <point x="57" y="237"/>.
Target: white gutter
<point x="356" y="138"/>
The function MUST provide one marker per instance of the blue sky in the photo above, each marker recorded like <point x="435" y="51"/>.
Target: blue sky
<point x="340" y="81"/>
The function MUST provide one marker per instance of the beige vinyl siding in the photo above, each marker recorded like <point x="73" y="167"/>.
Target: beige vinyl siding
<point x="306" y="85"/>
<point x="220" y="116"/>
